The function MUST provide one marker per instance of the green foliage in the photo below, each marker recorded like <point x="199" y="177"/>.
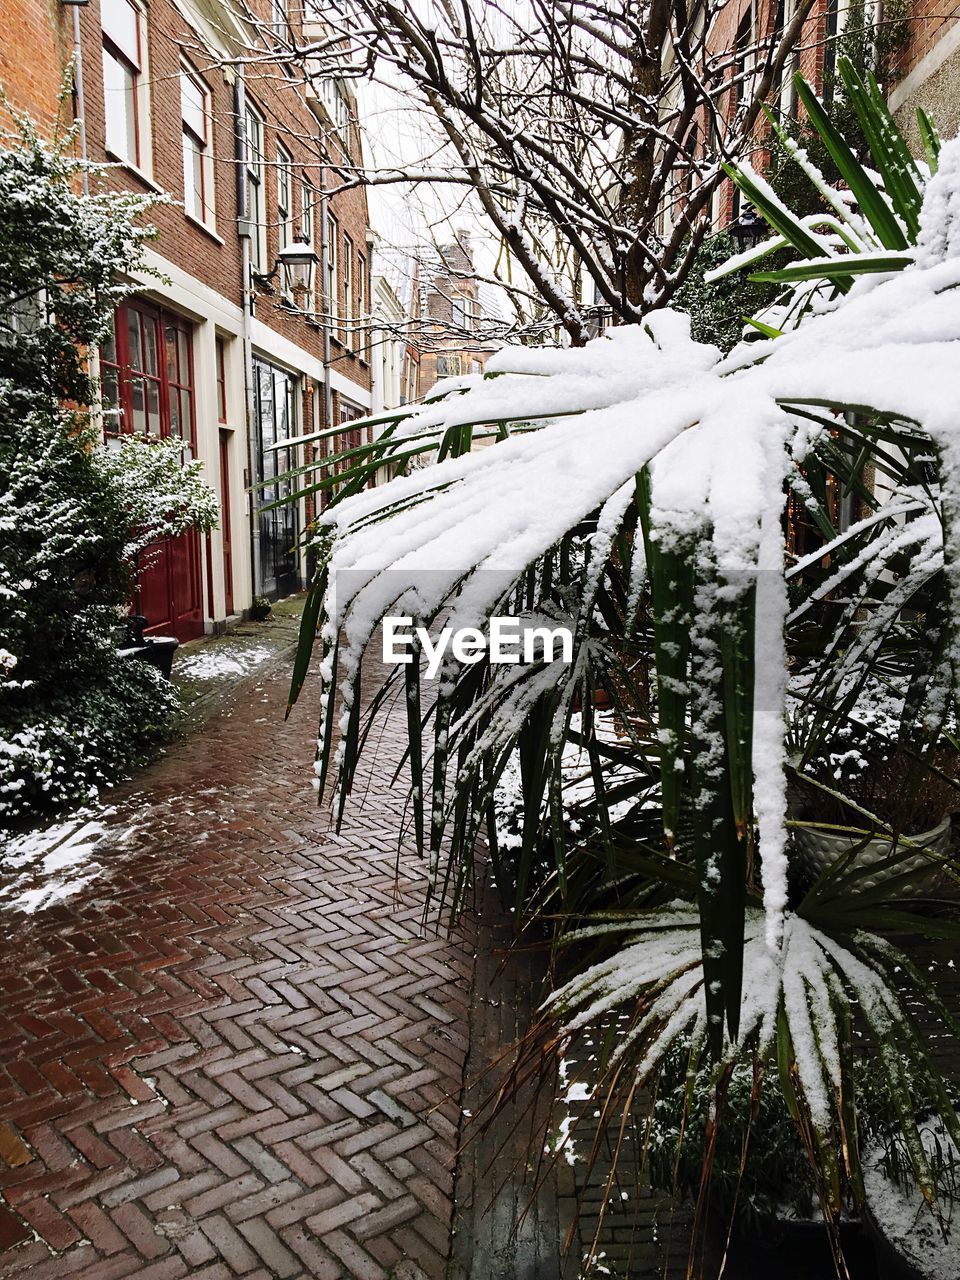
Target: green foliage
<point x="260" y="609"/>
<point x="656" y="893"/>
<point x="760" y="1168"/>
<point x="61" y="751"/>
<point x="717" y="310"/>
<point x="71" y="714"/>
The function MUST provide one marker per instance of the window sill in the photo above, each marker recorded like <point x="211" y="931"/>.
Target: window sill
<point x="133" y="169"/>
<point x="202" y="226"/>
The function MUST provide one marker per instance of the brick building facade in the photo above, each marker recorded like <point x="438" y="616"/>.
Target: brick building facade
<point x="924" y="71"/>
<point x="928" y="69"/>
<point x="222" y="345"/>
<point x="450" y="317"/>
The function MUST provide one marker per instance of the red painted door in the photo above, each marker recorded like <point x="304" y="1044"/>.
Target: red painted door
<point x="225" y="520"/>
<point x="171" y="587"/>
<point x="147" y="388"/>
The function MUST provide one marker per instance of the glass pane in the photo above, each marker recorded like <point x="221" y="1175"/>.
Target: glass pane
<point x="110" y="397"/>
<point x="119" y="110"/>
<point x="200" y="208"/>
<point x="186" y="415"/>
<point x="174" y="413"/>
<point x="110" y="389"/>
<point x="133" y="334"/>
<point x="153" y="408"/>
<point x="170" y="344"/>
<point x="109" y="348"/>
<point x="139" y="411"/>
<point x="120" y="22"/>
<point x="150" y="346"/>
<point x="193" y="105"/>
<point x="189" y="181"/>
<point x="221" y="383"/>
<point x="183" y="346"/>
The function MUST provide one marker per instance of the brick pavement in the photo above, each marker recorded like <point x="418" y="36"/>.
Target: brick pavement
<point x="236" y="1052"/>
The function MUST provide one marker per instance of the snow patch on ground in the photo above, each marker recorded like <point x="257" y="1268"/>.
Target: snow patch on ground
<point x="49" y="864"/>
<point x="217" y="662"/>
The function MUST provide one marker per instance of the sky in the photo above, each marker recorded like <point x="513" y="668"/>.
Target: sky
<point x="397" y="133"/>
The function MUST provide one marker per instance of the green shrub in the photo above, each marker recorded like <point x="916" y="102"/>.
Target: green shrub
<point x="73" y="715"/>
<point x="64" y="749"/>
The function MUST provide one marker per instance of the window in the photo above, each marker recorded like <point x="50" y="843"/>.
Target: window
<point x="284" y="197"/>
<point x="448" y="365"/>
<point x="146" y="375"/>
<point x="351" y="439"/>
<point x="307" y="198"/>
<point x="349" y="316"/>
<point x="221" y="379"/>
<point x="337" y="108"/>
<point x="197" y="151"/>
<point x="330" y="273"/>
<point x="125" y="102"/>
<point x="280" y="20"/>
<point x="362" y="341"/>
<point x="284" y="210"/>
<point x="276" y="396"/>
<point x="253" y="181"/>
<point x="743" y="65"/>
<point x="464" y="312"/>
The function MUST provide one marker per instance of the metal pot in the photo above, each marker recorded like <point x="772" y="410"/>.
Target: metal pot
<point x="819" y="850"/>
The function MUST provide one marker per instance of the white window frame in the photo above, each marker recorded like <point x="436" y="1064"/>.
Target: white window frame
<point x="349" y="294"/>
<point x="253" y="174"/>
<point x="362" y="342"/>
<point x="337" y="107"/>
<point x="284" y="197"/>
<point x="330" y="281"/>
<point x="285" y="184"/>
<point x="126" y="50"/>
<point x="308" y="202"/>
<point x="280" y="20"/>
<point x="197" y="142"/>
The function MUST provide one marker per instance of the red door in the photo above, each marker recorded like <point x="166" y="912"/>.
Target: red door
<point x="147" y="388"/>
<point x="225" y="520"/>
<point x="170" y="588"/>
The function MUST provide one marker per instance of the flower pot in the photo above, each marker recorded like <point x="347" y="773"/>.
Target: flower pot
<point x="907" y="1237"/>
<point x="819" y="850"/>
<point x="794" y="1249"/>
<point x="159" y="651"/>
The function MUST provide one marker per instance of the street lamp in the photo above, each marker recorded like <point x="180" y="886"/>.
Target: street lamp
<point x="296" y="262"/>
<point x="748" y="230"/>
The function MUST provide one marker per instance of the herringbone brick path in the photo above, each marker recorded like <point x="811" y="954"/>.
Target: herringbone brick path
<point x="236" y="1053"/>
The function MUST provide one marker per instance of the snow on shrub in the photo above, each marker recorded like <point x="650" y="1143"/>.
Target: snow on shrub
<point x="72" y="714"/>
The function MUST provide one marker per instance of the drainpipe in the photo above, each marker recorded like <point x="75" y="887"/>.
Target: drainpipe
<point x="327" y="302"/>
<point x="245" y="232"/>
<point x="78" y="89"/>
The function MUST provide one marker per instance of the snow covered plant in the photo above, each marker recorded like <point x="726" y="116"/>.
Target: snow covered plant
<point x="640" y="489"/>
<point x="71" y="719"/>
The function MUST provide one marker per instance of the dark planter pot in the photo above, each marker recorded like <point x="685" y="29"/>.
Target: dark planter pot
<point x="891" y="1265"/>
<point x="159" y="651"/>
<point x="795" y="1250"/>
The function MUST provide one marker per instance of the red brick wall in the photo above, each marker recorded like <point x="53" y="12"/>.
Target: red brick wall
<point x="35" y="49"/>
<point x="288" y="121"/>
<point x="34" y="52"/>
<point x="809" y="60"/>
<point x="928" y="22"/>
